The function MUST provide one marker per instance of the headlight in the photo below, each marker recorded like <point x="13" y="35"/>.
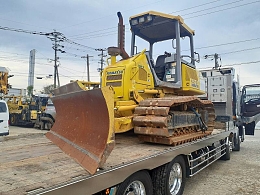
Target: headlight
<point x="134" y="22"/>
<point x="141" y="19"/>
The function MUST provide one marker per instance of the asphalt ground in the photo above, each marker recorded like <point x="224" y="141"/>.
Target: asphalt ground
<point x="14" y="131"/>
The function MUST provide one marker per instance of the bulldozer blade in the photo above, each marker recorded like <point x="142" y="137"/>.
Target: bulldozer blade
<point x="69" y="88"/>
<point x="84" y="126"/>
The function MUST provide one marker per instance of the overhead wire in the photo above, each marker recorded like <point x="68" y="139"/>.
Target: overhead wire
<point x="61" y="36"/>
<point x="23" y="31"/>
<point x="195" y="6"/>
<point x="223" y="44"/>
<point x="222" y="10"/>
<point x="212" y="7"/>
<point x="238" y="64"/>
<point x="150" y="3"/>
<point x="211" y="2"/>
<point x="248" y="49"/>
<point x="190" y="13"/>
<point x="92" y="32"/>
<point x="91" y="48"/>
<point x="19" y="22"/>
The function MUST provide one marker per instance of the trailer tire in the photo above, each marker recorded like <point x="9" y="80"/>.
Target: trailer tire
<point x="236" y="143"/>
<point x="174" y="173"/>
<point x="226" y="156"/>
<point x="138" y="182"/>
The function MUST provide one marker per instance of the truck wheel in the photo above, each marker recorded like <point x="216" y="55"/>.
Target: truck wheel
<point x="227" y="155"/>
<point x="139" y="183"/>
<point x="169" y="179"/>
<point x="48" y="126"/>
<point x="236" y="143"/>
<point x="12" y="119"/>
<point x="241" y="133"/>
<point x="42" y="125"/>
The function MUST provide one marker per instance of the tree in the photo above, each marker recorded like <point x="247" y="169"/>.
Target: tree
<point x="30" y="90"/>
<point x="48" y="89"/>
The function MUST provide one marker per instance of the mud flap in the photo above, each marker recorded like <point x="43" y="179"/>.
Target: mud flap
<point x="250" y="128"/>
<point x="84" y="126"/>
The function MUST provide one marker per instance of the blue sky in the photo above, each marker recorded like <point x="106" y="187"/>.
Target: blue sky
<point x="230" y="28"/>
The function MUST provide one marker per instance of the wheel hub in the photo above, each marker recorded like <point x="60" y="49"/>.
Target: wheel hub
<point x="175" y="178"/>
<point x="135" y="188"/>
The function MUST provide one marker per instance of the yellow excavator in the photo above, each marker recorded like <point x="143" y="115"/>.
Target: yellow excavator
<point x="157" y="100"/>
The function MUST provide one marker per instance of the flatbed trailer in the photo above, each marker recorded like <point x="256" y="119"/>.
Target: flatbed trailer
<point x="31" y="164"/>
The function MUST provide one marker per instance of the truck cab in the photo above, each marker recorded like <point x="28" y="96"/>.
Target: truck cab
<point x="250" y="107"/>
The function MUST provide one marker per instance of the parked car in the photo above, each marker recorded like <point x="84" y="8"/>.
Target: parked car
<point x="4" y="118"/>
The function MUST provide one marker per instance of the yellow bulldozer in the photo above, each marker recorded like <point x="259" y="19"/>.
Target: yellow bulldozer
<point x="156" y="100"/>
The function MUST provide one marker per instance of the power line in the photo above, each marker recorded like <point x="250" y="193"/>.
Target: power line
<point x="169" y="13"/>
<point x="102" y="35"/>
<point x="242" y="63"/>
<point x="59" y="36"/>
<point x="72" y="42"/>
<point x="201" y="14"/>
<point x="222" y="44"/>
<point x="238" y="64"/>
<point x="96" y="34"/>
<point x="79" y="35"/>
<point x="240" y="50"/>
<point x="19" y="22"/>
<point x="221" y="10"/>
<point x="212" y="7"/>
<point x="72" y="54"/>
<point x="13" y="53"/>
<point x="24" y="31"/>
<point x="150" y="3"/>
<point x="195" y="6"/>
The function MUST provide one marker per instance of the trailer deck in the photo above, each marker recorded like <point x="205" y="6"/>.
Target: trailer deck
<point x="31" y="164"/>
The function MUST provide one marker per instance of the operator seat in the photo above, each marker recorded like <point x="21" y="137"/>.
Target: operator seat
<point x="160" y="66"/>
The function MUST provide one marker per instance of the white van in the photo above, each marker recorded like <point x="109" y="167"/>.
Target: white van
<point x="4" y="118"/>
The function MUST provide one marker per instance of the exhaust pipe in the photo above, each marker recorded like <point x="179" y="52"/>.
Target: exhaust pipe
<point x="121" y="36"/>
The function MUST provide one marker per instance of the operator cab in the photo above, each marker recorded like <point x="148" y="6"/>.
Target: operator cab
<point x="154" y="27"/>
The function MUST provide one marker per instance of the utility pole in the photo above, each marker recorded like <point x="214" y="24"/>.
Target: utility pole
<point x="216" y="57"/>
<point x="87" y="57"/>
<point x="55" y="59"/>
<point x="102" y="59"/>
<point x="57" y="37"/>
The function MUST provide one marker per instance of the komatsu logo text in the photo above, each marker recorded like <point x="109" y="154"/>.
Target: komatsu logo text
<point x="115" y="72"/>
